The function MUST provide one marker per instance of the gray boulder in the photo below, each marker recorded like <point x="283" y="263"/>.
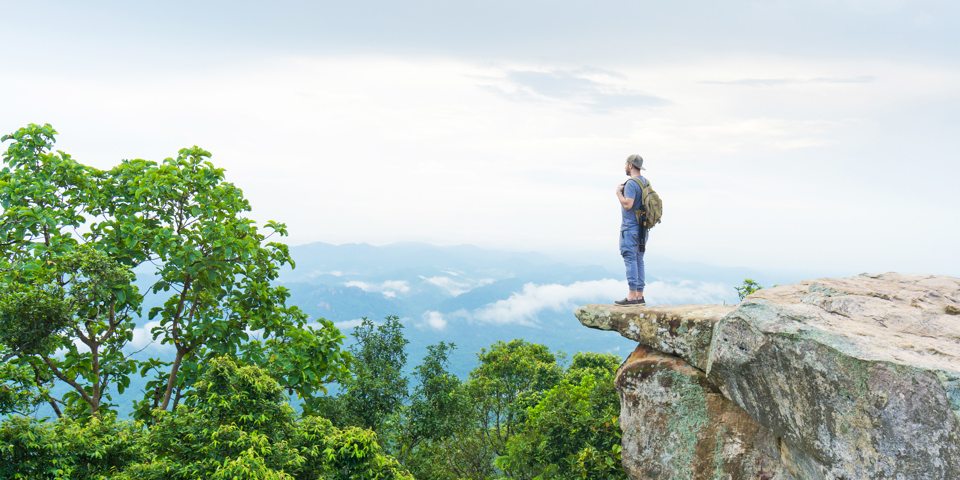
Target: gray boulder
<point x="859" y="377"/>
<point x="851" y="378"/>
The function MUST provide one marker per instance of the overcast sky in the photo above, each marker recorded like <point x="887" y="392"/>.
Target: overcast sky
<point x="816" y="135"/>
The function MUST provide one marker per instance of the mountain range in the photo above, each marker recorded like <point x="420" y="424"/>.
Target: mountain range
<point x="473" y="297"/>
<point x="468" y="296"/>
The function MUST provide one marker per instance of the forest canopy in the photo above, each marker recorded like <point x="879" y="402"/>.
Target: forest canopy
<point x="71" y="237"/>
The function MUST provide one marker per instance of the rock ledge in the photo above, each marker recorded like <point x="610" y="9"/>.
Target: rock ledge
<point x="854" y="378"/>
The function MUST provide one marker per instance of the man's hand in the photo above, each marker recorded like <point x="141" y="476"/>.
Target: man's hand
<point x="626" y="203"/>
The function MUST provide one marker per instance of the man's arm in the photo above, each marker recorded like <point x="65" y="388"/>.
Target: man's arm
<point x="626" y="202"/>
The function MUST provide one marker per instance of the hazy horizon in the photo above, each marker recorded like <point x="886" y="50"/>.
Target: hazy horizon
<point x="783" y="135"/>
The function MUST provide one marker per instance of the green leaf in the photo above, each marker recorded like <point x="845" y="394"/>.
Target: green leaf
<point x="120" y="293"/>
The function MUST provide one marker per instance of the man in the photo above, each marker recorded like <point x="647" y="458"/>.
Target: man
<point x="632" y="246"/>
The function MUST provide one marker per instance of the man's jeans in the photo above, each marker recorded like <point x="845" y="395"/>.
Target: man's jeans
<point x="633" y="257"/>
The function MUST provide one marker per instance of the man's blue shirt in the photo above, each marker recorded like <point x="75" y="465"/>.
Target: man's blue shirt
<point x="631" y="190"/>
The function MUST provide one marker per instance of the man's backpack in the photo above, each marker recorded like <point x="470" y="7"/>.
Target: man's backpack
<point x="651" y="208"/>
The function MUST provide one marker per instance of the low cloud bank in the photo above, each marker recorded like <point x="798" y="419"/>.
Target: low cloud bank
<point x="389" y="288"/>
<point x="456" y="287"/>
<point x="433" y="320"/>
<point x="522" y="308"/>
<point x="525" y="307"/>
<point x="452" y="286"/>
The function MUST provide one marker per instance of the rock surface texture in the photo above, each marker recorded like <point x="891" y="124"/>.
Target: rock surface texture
<point x="851" y="378"/>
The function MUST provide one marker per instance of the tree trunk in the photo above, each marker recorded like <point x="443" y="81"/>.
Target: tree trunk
<point x="173" y="378"/>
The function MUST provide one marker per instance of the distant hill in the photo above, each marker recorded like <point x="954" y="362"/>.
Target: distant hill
<point x="472" y="296"/>
<point x="451" y="293"/>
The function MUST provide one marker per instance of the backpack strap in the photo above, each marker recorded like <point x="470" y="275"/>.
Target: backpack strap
<point x="639" y="210"/>
<point x="638" y="202"/>
<point x="644" y="184"/>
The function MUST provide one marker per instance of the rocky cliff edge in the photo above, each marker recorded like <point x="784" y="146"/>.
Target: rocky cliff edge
<point x="849" y="378"/>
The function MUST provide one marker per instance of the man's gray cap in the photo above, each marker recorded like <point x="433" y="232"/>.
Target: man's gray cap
<point x="636" y="160"/>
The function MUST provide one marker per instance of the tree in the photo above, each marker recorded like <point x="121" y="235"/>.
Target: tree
<point x="599" y="365"/>
<point x="509" y="378"/>
<point x="439" y="410"/>
<point x="55" y="289"/>
<point x="377" y="389"/>
<point x="237" y="426"/>
<point x="415" y="428"/>
<point x="67" y="448"/>
<point x="70" y="235"/>
<point x="438" y="403"/>
<point x="572" y="433"/>
<point x="749" y="286"/>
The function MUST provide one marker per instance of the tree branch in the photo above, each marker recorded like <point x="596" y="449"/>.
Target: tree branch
<point x="181" y="350"/>
<point x="173" y="378"/>
<point x="113" y="325"/>
<point x="94" y="407"/>
<point x="53" y="403"/>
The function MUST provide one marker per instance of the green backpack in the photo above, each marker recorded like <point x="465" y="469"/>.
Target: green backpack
<point x="651" y="207"/>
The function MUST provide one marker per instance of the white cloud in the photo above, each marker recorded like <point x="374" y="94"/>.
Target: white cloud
<point x="348" y="324"/>
<point x="143" y="339"/>
<point x="433" y="320"/>
<point x="452" y="286"/>
<point x="142" y="336"/>
<point x="389" y="288"/>
<point x="523" y="308"/>
<point x="457" y="287"/>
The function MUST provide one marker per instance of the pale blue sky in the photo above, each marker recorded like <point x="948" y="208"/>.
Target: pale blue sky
<point x="816" y="135"/>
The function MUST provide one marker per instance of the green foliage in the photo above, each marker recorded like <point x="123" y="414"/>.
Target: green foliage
<point x="240" y="427"/>
<point x="67" y="449"/>
<point x="519" y="415"/>
<point x="376" y="389"/>
<point x="599" y="365"/>
<point x="19" y="392"/>
<point x="469" y="454"/>
<point x="235" y="409"/>
<point x="438" y="400"/>
<point x="349" y="453"/>
<point x="749" y="286"/>
<point x="29" y="449"/>
<point x="32" y="317"/>
<point x="509" y="377"/>
<point x="438" y="411"/>
<point x="67" y="301"/>
<point x="432" y="459"/>
<point x="572" y="433"/>
<point x="237" y="424"/>
<point x="70" y="237"/>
